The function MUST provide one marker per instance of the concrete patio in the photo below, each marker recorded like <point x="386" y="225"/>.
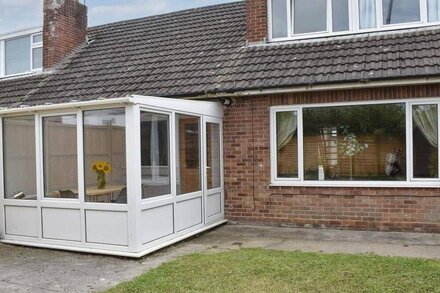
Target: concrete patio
<point x="25" y="269"/>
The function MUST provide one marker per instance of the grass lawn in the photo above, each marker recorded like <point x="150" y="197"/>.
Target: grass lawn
<point x="259" y="270"/>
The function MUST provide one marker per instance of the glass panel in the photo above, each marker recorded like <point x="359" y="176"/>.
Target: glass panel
<point x="155" y="155"/>
<point x="367" y="14"/>
<point x="18" y="55"/>
<point x="188" y="153"/>
<point x="433" y="10"/>
<point x="104" y="156"/>
<point x="287" y="144"/>
<point x="213" y="155"/>
<point x="37" y="55"/>
<point x="310" y="16"/>
<point x="340" y="15"/>
<point x="279" y="18"/>
<point x="19" y="157"/>
<point x="37" y="38"/>
<point x="60" y="156"/>
<point x="425" y="141"/>
<point x="366" y="142"/>
<point x="400" y="11"/>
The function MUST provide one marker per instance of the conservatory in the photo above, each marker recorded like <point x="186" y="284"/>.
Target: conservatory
<point x="123" y="176"/>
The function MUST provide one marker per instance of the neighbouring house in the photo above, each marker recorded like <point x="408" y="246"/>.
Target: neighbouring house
<point x="126" y="137"/>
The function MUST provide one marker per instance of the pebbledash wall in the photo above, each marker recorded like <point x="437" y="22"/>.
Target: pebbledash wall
<point x="251" y="199"/>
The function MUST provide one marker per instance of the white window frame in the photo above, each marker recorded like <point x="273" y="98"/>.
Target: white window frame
<point x="410" y="180"/>
<point x="16" y="35"/>
<point x="353" y="21"/>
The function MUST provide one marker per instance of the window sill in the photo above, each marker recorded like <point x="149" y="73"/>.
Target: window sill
<point x="358" y="184"/>
<point x="19" y="75"/>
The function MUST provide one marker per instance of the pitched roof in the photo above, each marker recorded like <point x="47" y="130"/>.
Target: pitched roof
<point x="203" y="50"/>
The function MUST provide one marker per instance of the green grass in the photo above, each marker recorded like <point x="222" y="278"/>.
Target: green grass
<point x="259" y="270"/>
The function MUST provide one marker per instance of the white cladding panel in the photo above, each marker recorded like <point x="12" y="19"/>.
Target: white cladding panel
<point x="188" y="213"/>
<point x="214" y="202"/>
<point x="157" y="223"/>
<point x="61" y="224"/>
<point x="107" y="227"/>
<point x="21" y="221"/>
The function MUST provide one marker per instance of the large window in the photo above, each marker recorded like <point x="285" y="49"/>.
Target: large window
<point x="21" y="54"/>
<point x="155" y="154"/>
<point x="19" y="157"/>
<point x="60" y="157"/>
<point x="316" y="18"/>
<point x="104" y="156"/>
<point x="386" y="142"/>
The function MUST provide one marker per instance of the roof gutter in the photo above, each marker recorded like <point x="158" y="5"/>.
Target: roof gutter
<point x="68" y="105"/>
<point x="316" y="88"/>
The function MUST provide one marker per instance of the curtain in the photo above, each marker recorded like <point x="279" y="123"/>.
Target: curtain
<point x="426" y="120"/>
<point x="286" y="127"/>
<point x="154" y="148"/>
<point x="367" y="14"/>
<point x="433" y="10"/>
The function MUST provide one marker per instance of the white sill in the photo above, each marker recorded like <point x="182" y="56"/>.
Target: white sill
<point x="17" y="75"/>
<point x="362" y="184"/>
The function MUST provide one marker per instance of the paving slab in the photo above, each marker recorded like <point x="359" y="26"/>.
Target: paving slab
<point x="24" y="269"/>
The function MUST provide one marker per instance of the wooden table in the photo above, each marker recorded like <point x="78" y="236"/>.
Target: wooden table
<point x="94" y="193"/>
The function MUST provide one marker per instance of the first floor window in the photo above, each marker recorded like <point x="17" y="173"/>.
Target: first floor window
<point x="433" y="10"/>
<point x="60" y="156"/>
<point x="386" y="142"/>
<point x="19" y="157"/>
<point x="18" y="55"/>
<point x="310" y="16"/>
<point x="400" y="11"/>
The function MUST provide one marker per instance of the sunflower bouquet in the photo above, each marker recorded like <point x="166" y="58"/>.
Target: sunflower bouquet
<point x="101" y="168"/>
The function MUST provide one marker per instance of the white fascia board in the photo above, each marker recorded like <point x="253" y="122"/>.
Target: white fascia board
<point x="19" y="33"/>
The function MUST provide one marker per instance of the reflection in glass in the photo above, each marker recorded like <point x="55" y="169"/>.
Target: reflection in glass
<point x="400" y="11"/>
<point x="104" y="156"/>
<point x="366" y="142"/>
<point x="213" y="155"/>
<point x="425" y="141"/>
<point x="287" y="144"/>
<point x="60" y="156"/>
<point x="19" y="157"/>
<point x="188" y="153"/>
<point x="155" y="155"/>
<point x="340" y="15"/>
<point x="18" y="55"/>
<point x="310" y="16"/>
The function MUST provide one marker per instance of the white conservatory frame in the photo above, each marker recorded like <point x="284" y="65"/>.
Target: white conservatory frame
<point x="134" y="229"/>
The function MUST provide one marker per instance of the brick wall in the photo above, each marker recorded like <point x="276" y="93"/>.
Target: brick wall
<point x="249" y="198"/>
<point x="256" y="20"/>
<point x="64" y="29"/>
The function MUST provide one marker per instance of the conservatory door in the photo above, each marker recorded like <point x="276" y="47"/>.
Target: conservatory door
<point x="213" y="177"/>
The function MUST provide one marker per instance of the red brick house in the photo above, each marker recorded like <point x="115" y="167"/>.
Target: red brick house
<point x="330" y="106"/>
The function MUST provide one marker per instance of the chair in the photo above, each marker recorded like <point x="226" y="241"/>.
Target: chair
<point x="67" y="194"/>
<point x="122" y="197"/>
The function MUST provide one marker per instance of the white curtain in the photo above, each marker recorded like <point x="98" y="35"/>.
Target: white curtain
<point x="433" y="10"/>
<point x="286" y="127"/>
<point x="426" y="120"/>
<point x="367" y="14"/>
<point x="154" y="148"/>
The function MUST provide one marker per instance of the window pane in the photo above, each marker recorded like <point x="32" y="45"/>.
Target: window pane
<point x="366" y="142"/>
<point x="367" y="14"/>
<point x="433" y="10"/>
<point x="18" y="55"/>
<point x="279" y="18"/>
<point x="19" y="157"/>
<point x="104" y="156"/>
<point x="425" y="141"/>
<point x="37" y="38"/>
<point x="188" y="153"/>
<point x="155" y="155"/>
<point x="60" y="156"/>
<point x="310" y="16"/>
<point x="400" y="11"/>
<point x="37" y="55"/>
<point x="213" y="155"/>
<point x="340" y="15"/>
<point x="287" y="144"/>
